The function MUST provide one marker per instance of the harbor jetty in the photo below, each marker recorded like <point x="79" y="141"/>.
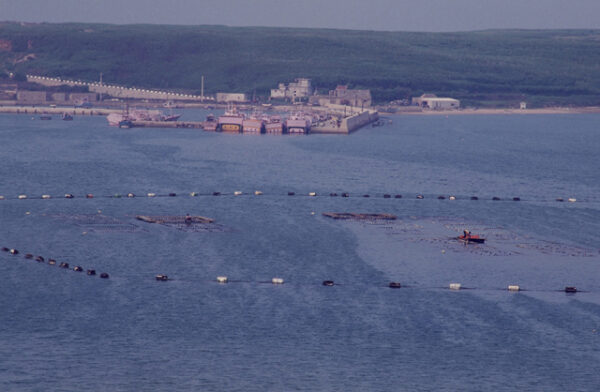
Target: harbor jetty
<point x="346" y="125"/>
<point x="168" y="124"/>
<point x="331" y="119"/>
<point x="55" y="110"/>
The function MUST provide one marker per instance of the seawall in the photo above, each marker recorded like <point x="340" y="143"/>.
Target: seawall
<point x="348" y="124"/>
<point x="118" y="91"/>
<point x="56" y="110"/>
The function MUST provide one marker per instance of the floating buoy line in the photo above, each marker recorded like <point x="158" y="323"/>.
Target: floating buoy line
<point x="53" y="262"/>
<point x="257" y="193"/>
<point x="224" y="280"/>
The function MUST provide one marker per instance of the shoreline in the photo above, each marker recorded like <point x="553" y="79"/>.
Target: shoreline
<point x="105" y="110"/>
<point x="469" y="111"/>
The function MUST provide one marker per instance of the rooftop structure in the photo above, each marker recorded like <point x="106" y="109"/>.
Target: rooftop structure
<point x="432" y="101"/>
<point x="342" y="95"/>
<point x="232" y="97"/>
<point x="301" y="88"/>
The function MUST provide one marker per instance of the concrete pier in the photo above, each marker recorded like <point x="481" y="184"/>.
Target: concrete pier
<point x="56" y="110"/>
<point x="348" y="124"/>
<point x="168" y="124"/>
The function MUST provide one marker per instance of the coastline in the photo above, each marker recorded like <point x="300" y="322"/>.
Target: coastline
<point x="105" y="110"/>
<point x="471" y="111"/>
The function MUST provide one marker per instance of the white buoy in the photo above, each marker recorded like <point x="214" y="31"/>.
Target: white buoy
<point x="257" y="193"/>
<point x="193" y="194"/>
<point x="455" y="286"/>
<point x="572" y="200"/>
<point x="22" y="197"/>
<point x="151" y="194"/>
<point x="452" y="198"/>
<point x="130" y="195"/>
<point x="277" y="281"/>
<point x="1" y="197"/>
<point x="312" y="194"/>
<point x="514" y="288"/>
<point x="46" y="196"/>
<point x="237" y="193"/>
<point x="222" y="279"/>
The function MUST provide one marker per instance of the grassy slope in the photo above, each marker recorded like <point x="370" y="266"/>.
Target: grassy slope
<point x="547" y="67"/>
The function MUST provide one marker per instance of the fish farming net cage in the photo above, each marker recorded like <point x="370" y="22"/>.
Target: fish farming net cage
<point x="358" y="216"/>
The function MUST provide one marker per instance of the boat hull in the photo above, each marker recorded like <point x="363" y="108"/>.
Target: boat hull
<point x="233" y="128"/>
<point x="473" y="239"/>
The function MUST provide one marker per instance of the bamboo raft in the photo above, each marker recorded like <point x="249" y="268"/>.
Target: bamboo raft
<point x="174" y="220"/>
<point x="357" y="216"/>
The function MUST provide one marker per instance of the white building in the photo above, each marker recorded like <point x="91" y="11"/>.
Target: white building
<point x="431" y="101"/>
<point x="301" y="88"/>
<point x="232" y="97"/>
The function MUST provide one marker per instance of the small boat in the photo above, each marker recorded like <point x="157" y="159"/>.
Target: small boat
<point x="253" y="124"/>
<point x="230" y="121"/>
<point x="210" y="124"/>
<point x="471" y="238"/>
<point x="67" y="117"/>
<point x="273" y="124"/>
<point x="298" y="124"/>
<point x="125" y="124"/>
<point x="45" y="117"/>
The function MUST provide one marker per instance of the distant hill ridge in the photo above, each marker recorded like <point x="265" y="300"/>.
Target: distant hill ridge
<point x="485" y="68"/>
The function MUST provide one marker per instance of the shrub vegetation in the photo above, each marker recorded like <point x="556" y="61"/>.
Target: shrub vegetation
<point x="482" y="68"/>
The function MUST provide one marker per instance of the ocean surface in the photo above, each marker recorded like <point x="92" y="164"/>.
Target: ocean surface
<point x="62" y="330"/>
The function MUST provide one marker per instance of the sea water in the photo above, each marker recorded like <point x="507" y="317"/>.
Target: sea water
<point x="65" y="331"/>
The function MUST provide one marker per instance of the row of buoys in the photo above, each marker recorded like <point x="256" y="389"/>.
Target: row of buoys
<point x="259" y="193"/>
<point x="41" y="259"/>
<point x="225" y="279"/>
<point x="393" y="285"/>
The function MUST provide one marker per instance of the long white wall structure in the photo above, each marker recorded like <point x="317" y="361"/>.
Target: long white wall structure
<point x="119" y="91"/>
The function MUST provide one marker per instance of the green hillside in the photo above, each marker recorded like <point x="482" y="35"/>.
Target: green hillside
<point x="484" y="68"/>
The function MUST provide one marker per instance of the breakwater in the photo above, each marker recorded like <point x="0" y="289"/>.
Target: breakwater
<point x="56" y="110"/>
<point x="347" y="124"/>
<point x="119" y="91"/>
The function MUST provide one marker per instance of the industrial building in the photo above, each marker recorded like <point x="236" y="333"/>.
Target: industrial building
<point x="58" y="98"/>
<point x="31" y="97"/>
<point x="431" y="101"/>
<point x="299" y="89"/>
<point x="231" y="97"/>
<point x="342" y="95"/>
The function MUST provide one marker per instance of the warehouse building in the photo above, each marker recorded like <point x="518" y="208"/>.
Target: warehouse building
<point x="342" y="95"/>
<point x="31" y="97"/>
<point x="431" y="101"/>
<point x="300" y="88"/>
<point x="231" y="97"/>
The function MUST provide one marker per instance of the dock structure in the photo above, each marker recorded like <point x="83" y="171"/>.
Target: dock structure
<point x="347" y="124"/>
<point x="55" y="110"/>
<point x="344" y="121"/>
<point x="168" y="124"/>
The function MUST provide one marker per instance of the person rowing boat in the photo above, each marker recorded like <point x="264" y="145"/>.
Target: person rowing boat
<point x="468" y="237"/>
